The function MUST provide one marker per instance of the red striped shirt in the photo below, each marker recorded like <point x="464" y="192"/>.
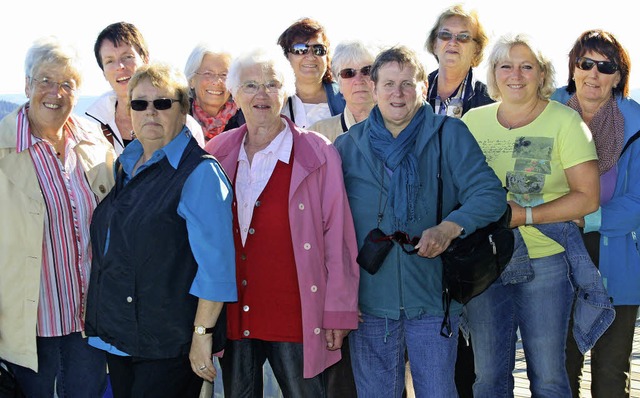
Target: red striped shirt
<point x="69" y="202"/>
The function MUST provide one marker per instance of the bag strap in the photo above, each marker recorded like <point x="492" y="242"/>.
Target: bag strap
<point x="633" y="138"/>
<point x="445" y="327"/>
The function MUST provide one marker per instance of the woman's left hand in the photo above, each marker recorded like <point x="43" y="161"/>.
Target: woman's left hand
<point x="201" y="357"/>
<point x="436" y="239"/>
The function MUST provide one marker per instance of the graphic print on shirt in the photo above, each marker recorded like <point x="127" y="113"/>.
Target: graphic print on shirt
<point x="531" y="167"/>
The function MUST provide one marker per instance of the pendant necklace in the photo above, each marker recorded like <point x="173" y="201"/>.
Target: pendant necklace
<point x="521" y="122"/>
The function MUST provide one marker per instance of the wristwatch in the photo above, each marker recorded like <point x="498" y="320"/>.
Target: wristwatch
<point x="201" y="330"/>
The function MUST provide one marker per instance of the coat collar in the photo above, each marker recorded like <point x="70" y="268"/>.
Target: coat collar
<point x="307" y="155"/>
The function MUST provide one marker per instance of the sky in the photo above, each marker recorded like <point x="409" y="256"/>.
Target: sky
<point x="172" y="29"/>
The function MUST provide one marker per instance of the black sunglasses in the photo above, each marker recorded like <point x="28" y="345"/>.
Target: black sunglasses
<point x="606" y="67"/>
<point x="460" y="37"/>
<point x="161" y="104"/>
<point x="406" y="244"/>
<point x="348" y="73"/>
<point x="302" y="49"/>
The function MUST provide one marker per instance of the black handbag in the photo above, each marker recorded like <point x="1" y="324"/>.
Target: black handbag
<point x="472" y="264"/>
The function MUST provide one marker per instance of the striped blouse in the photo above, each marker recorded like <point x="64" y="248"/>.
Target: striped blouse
<point x="69" y="203"/>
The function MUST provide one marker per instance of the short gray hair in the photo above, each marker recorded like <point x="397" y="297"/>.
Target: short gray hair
<point x="269" y="57"/>
<point x="50" y="49"/>
<point x="197" y="55"/>
<point x="353" y="51"/>
<point x="500" y="53"/>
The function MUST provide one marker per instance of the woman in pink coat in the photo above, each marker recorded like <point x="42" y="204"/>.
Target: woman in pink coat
<point x="294" y="238"/>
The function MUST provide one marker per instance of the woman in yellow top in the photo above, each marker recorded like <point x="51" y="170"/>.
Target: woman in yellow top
<point x="545" y="156"/>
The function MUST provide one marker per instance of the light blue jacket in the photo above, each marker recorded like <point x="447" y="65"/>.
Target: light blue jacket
<point x="618" y="221"/>
<point x="593" y="312"/>
<point x="409" y="285"/>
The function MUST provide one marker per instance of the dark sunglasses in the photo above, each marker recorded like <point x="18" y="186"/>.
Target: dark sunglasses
<point x="606" y="67"/>
<point x="161" y="104"/>
<point x="460" y="37"/>
<point x="348" y="73"/>
<point x="402" y="238"/>
<point x="302" y="49"/>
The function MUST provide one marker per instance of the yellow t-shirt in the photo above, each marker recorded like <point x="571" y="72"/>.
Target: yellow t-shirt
<point x="531" y="160"/>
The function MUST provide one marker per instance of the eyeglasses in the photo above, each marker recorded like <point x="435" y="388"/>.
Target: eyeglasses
<point x="460" y="37"/>
<point x="302" y="49"/>
<point x="213" y="77"/>
<point x="606" y="67"/>
<point x="161" y="104"/>
<point x="252" y="87"/>
<point x="348" y="73"/>
<point x="47" y="84"/>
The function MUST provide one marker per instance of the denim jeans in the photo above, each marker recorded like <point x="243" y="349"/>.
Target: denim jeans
<point x="242" y="369"/>
<point x="378" y="360"/>
<point x="69" y="363"/>
<point x="541" y="309"/>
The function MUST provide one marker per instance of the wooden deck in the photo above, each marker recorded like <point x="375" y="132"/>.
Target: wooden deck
<point x="522" y="383"/>
<point x="520" y="373"/>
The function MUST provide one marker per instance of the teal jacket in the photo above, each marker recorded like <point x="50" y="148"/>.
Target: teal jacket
<point x="410" y="285"/>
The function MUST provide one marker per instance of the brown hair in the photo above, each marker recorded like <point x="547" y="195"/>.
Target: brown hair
<point x="302" y="31"/>
<point x="606" y="44"/>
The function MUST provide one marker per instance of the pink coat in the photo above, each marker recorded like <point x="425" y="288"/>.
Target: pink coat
<point x="324" y="241"/>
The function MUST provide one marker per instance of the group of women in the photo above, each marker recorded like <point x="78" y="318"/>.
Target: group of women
<point x="167" y="252"/>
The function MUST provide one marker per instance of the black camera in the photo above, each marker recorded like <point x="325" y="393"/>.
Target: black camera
<point x="375" y="249"/>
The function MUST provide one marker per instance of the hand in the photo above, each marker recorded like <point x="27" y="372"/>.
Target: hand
<point x="579" y="222"/>
<point x="334" y="338"/>
<point x="436" y="239"/>
<point x="200" y="355"/>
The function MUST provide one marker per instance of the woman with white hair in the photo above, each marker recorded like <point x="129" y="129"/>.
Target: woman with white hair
<point x="211" y="102"/>
<point x="295" y="244"/>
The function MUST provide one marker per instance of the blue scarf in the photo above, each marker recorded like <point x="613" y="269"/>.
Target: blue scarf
<point x="398" y="155"/>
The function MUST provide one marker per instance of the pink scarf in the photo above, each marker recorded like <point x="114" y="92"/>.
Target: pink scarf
<point x="214" y="125"/>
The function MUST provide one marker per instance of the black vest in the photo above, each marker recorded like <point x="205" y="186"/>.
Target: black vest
<point x="138" y="298"/>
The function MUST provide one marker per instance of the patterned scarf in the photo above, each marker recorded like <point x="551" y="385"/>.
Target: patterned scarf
<point x="214" y="125"/>
<point x="607" y="128"/>
<point x="398" y="156"/>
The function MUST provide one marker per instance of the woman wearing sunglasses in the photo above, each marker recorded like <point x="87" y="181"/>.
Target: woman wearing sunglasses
<point x="545" y="157"/>
<point x="211" y="102"/>
<point x="457" y="41"/>
<point x="120" y="49"/>
<point x="163" y="256"/>
<point x="317" y="96"/>
<point x="352" y="64"/>
<point x="390" y="164"/>
<point x="598" y="88"/>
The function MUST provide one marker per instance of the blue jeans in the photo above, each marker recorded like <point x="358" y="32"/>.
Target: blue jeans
<point x="377" y="356"/>
<point x="541" y="309"/>
<point x="242" y="369"/>
<point x="69" y="363"/>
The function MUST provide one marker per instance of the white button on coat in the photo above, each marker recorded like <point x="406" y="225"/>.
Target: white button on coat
<point x="129" y="299"/>
<point x="245" y="333"/>
<point x="316" y="330"/>
<point x="245" y="308"/>
<point x="314" y="288"/>
<point x="301" y="206"/>
<point x="307" y="246"/>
